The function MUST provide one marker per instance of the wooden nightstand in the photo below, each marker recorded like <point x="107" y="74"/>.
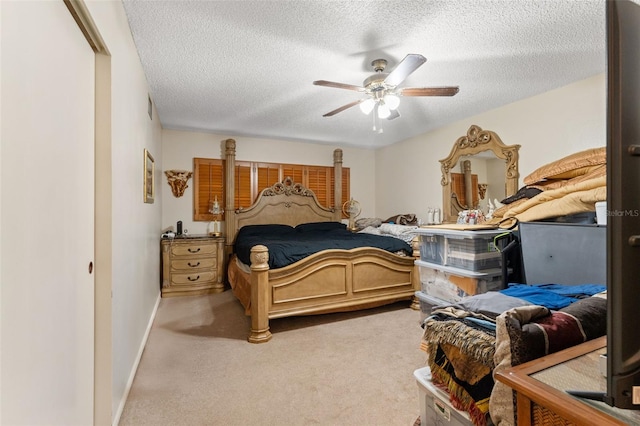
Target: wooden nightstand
<point x="192" y="265"/>
<point x="540" y="387"/>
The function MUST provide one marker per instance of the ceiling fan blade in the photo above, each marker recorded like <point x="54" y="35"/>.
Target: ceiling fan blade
<point x="428" y="91"/>
<point x="394" y="114"/>
<point x="343" y="107"/>
<point x="409" y="64"/>
<point x="338" y="85"/>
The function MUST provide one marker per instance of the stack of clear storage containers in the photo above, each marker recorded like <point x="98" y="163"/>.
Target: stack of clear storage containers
<point x="457" y="263"/>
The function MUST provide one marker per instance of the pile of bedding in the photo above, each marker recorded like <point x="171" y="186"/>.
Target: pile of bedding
<point x="469" y="340"/>
<point x="570" y="185"/>
<point x="409" y="219"/>
<point x="406" y="233"/>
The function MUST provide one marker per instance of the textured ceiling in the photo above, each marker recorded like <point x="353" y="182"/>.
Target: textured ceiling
<point x="245" y="68"/>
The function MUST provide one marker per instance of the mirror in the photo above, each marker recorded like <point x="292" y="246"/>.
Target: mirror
<point x="479" y="168"/>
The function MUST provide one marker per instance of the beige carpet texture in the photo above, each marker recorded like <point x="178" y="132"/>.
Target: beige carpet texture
<point x="352" y="368"/>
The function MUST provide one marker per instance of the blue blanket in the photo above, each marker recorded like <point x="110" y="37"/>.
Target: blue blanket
<point x="552" y="296"/>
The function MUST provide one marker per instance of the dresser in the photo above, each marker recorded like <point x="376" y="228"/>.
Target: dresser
<point x="192" y="265"/>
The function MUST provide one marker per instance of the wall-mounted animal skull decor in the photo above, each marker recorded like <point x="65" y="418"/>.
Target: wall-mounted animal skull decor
<point x="482" y="190"/>
<point x="177" y="180"/>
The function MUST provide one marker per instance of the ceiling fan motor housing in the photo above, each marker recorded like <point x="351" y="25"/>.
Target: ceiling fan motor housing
<point x="379" y="64"/>
<point x="375" y="83"/>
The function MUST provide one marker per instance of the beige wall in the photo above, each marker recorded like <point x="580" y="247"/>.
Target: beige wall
<point x="547" y="126"/>
<point x="179" y="148"/>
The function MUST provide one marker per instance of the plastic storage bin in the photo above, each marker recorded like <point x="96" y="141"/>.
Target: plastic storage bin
<point x="470" y="250"/>
<point x="466" y="244"/>
<point x="427" y="303"/>
<point x="452" y="284"/>
<point x="435" y="408"/>
<point x="474" y="261"/>
<point x="432" y="248"/>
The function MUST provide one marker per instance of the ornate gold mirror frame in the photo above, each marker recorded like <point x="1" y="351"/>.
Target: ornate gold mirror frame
<point x="477" y="140"/>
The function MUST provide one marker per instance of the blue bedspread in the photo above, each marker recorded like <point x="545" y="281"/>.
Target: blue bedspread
<point x="288" y="245"/>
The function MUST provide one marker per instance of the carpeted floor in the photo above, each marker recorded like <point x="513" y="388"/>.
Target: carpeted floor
<point x="336" y="369"/>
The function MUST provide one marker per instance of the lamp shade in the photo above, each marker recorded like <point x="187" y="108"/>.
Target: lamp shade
<point x="392" y="101"/>
<point x="383" y="110"/>
<point x="367" y="105"/>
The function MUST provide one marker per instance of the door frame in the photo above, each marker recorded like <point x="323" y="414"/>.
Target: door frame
<point x="103" y="365"/>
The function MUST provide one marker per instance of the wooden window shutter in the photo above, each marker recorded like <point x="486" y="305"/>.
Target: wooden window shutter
<point x="253" y="177"/>
<point x="268" y="174"/>
<point x="458" y="188"/>
<point x="244" y="194"/>
<point x="294" y="171"/>
<point x="208" y="183"/>
<point x="346" y="186"/>
<point x="319" y="181"/>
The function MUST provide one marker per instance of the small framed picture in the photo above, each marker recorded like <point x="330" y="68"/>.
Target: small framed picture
<point x="149" y="171"/>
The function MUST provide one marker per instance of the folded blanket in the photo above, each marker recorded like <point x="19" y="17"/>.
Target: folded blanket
<point x="403" y="219"/>
<point x="485" y="306"/>
<point x="368" y="221"/>
<point x="463" y="395"/>
<point x="552" y="296"/>
<point x="404" y="232"/>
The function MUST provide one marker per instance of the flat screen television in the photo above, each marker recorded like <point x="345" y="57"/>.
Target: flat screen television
<point x="623" y="204"/>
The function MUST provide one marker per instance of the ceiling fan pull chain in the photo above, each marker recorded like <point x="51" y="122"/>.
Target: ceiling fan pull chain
<point x="375" y="118"/>
<point x="376" y="122"/>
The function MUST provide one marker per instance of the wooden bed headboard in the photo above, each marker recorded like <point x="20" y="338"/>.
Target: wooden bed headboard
<point x="286" y="202"/>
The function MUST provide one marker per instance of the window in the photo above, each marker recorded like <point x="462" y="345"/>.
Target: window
<point x="253" y="177"/>
<point x="208" y="183"/>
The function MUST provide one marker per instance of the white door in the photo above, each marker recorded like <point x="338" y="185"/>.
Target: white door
<point x="47" y="216"/>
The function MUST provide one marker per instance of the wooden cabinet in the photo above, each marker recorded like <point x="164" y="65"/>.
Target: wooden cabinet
<point x="192" y="265"/>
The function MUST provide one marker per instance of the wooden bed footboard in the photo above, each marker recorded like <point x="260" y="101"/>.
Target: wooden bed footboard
<point x="329" y="281"/>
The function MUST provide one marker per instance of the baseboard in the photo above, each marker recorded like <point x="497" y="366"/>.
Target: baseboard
<point x="134" y="369"/>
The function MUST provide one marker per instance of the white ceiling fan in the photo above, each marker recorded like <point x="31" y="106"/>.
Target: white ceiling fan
<point x="382" y="91"/>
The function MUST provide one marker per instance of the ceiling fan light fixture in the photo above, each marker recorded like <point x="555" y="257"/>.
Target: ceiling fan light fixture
<point x="367" y="106"/>
<point x="383" y="110"/>
<point x="382" y="91"/>
<point x="392" y="101"/>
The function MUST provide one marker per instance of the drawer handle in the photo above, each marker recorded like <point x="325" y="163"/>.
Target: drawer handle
<point x="193" y="266"/>
<point x="194" y="279"/>
<point x="194" y="251"/>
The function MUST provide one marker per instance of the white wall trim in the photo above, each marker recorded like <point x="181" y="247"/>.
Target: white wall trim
<point x="134" y="369"/>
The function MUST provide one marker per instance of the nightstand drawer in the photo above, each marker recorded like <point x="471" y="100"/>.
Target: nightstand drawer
<point x="194" y="263"/>
<point x="194" y="278"/>
<point x="190" y="250"/>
